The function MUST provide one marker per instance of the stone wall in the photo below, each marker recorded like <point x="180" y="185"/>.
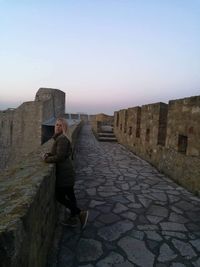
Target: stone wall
<point x="54" y="100"/>
<point x="28" y="210"/>
<point x="180" y="157"/>
<point x="21" y="128"/>
<point x="99" y="120"/>
<point x="6" y="133"/>
<point x="183" y="130"/>
<point x="134" y="129"/>
<point x="165" y="135"/>
<point x="26" y="130"/>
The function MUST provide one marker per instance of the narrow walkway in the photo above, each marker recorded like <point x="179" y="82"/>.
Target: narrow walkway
<point x="138" y="217"/>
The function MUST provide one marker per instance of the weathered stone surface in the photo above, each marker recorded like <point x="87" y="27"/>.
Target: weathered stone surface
<point x="166" y="254"/>
<point x="154" y="219"/>
<point x="157" y="211"/>
<point x="170" y="226"/>
<point x="124" y="264"/>
<point x="153" y="235"/>
<point x="137" y="234"/>
<point x="145" y="202"/>
<point x="147" y="227"/>
<point x="23" y="125"/>
<point x="196" y="244"/>
<point x="113" y="259"/>
<point x="108" y="218"/>
<point x="95" y="203"/>
<point x="89" y="250"/>
<point x="174" y="234"/>
<point x="136" y="251"/>
<point x="177" y="218"/>
<point x="129" y="215"/>
<point x="185" y="249"/>
<point x="119" y="208"/>
<point x="91" y="191"/>
<point x="114" y="231"/>
<point x="160" y="134"/>
<point x="196" y="263"/>
<point x="160" y="196"/>
<point x="178" y="264"/>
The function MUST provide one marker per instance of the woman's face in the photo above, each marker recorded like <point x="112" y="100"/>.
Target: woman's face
<point x="58" y="127"/>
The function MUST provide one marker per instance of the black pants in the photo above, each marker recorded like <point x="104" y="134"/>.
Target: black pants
<point x="66" y="196"/>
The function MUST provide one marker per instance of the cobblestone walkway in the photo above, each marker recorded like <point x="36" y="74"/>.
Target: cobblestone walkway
<point x="138" y="217"/>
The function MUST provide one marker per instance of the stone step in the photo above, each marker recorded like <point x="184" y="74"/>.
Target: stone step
<point x="107" y="131"/>
<point x="107" y="139"/>
<point x="103" y="134"/>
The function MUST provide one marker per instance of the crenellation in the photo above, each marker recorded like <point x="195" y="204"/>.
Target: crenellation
<point x="183" y="123"/>
<point x="134" y="122"/>
<point x="167" y="135"/>
<point x="162" y="130"/>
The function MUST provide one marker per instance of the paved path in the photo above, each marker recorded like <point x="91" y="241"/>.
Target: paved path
<point x="138" y="217"/>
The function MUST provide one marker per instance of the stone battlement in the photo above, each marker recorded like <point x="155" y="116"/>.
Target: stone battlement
<point x="166" y="135"/>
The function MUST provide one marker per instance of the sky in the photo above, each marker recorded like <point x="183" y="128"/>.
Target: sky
<point x="105" y="55"/>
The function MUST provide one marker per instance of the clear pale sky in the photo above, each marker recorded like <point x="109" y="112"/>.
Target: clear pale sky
<point x="104" y="54"/>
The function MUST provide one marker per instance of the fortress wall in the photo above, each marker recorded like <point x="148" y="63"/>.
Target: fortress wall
<point x="56" y="105"/>
<point x="133" y="128"/>
<point x="100" y="120"/>
<point x="127" y="127"/>
<point x="184" y="126"/>
<point x="28" y="210"/>
<point x="141" y="129"/>
<point x="21" y="128"/>
<point x="167" y="137"/>
<point x="26" y="130"/>
<point x="181" y="156"/>
<point x="152" y="129"/>
<point x="6" y="130"/>
<point x="103" y="118"/>
<point x="47" y="111"/>
<point x="119" y="126"/>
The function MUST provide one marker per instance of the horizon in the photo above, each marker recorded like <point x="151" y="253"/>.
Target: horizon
<point x="85" y="113"/>
<point x="105" y="56"/>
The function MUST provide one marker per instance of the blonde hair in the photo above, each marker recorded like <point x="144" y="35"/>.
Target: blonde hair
<point x="64" y="125"/>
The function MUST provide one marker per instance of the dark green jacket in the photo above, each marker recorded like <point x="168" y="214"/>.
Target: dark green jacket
<point x="61" y="155"/>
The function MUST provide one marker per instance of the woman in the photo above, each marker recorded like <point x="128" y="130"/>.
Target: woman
<point x="65" y="176"/>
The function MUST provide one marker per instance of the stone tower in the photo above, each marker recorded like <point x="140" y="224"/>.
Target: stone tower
<point x="22" y="130"/>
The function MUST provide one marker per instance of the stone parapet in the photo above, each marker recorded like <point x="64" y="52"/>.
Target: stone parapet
<point x="185" y="170"/>
<point x="166" y="135"/>
<point x="28" y="211"/>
